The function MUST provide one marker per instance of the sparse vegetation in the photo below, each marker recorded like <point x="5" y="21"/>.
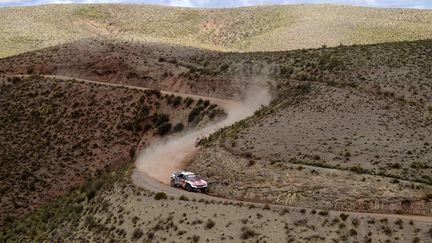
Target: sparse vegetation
<point x="345" y="109"/>
<point x="209" y="224"/>
<point x="160" y="196"/>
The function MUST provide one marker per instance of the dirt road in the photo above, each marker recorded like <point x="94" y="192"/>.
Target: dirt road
<point x="221" y="102"/>
<point x="142" y="179"/>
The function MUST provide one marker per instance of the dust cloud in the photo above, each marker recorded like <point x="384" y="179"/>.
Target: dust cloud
<point x="162" y="158"/>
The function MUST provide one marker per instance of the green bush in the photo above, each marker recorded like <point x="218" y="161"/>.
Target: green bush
<point x="161" y="119"/>
<point x="164" y="129"/>
<point x="178" y="127"/>
<point x="188" y="101"/>
<point x="177" y="100"/>
<point x="248" y="233"/>
<point x="343" y="216"/>
<point x="194" y="113"/>
<point x="138" y="233"/>
<point x="160" y="196"/>
<point x="210" y="224"/>
<point x="206" y="103"/>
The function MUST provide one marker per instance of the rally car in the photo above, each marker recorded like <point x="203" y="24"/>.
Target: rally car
<point x="188" y="181"/>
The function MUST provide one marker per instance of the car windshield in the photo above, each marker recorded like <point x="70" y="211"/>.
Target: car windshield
<point x="193" y="178"/>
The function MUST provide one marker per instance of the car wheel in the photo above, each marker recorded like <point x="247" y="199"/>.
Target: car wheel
<point x="173" y="183"/>
<point x="204" y="190"/>
<point x="188" y="188"/>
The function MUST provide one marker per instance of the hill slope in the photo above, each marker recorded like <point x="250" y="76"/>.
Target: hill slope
<point x="56" y="135"/>
<point x="264" y="28"/>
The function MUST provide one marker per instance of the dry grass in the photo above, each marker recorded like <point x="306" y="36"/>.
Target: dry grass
<point x="266" y="28"/>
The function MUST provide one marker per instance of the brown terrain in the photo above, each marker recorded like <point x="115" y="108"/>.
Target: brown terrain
<point x="127" y="213"/>
<point x="58" y="134"/>
<point x="334" y="148"/>
<point x="343" y="152"/>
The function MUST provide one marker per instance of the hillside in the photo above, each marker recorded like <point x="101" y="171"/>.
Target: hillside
<point x="123" y="212"/>
<point x="93" y="112"/>
<point x="264" y="28"/>
<point x="399" y="70"/>
<point x="56" y="135"/>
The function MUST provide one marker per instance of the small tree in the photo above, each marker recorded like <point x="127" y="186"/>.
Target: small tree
<point x="164" y="129"/>
<point x="178" y="127"/>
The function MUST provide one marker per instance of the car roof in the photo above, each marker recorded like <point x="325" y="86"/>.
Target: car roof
<point x="186" y="173"/>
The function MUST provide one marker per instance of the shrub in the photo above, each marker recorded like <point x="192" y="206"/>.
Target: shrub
<point x="188" y="101"/>
<point x="286" y="71"/>
<point x="160" y="196"/>
<point x="184" y="198"/>
<point x="194" y="113"/>
<point x="154" y="92"/>
<point x="142" y="112"/>
<point x="195" y="238"/>
<point x="206" y="103"/>
<point x="30" y="70"/>
<point x="357" y="169"/>
<point x="161" y="119"/>
<point x="164" y="129"/>
<point x="16" y="79"/>
<point x="138" y="233"/>
<point x="248" y="233"/>
<point x="355" y="222"/>
<point x="177" y="100"/>
<point x="343" y="216"/>
<point x="304" y="88"/>
<point x="323" y="213"/>
<point x="178" y="127"/>
<point x="90" y="222"/>
<point x="224" y="67"/>
<point x="210" y="224"/>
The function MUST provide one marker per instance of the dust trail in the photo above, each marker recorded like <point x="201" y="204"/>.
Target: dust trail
<point x="162" y="158"/>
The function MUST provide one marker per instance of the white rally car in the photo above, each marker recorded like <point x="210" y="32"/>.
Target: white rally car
<point x="188" y="181"/>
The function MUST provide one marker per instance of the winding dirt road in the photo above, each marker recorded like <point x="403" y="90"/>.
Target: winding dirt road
<point x="143" y="179"/>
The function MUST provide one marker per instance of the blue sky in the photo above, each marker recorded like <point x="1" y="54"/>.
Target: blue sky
<point x="233" y="3"/>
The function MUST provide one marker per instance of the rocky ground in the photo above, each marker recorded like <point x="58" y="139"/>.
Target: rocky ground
<point x="326" y="147"/>
<point x="121" y="212"/>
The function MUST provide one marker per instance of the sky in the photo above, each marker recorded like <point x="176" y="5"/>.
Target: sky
<point x="422" y="4"/>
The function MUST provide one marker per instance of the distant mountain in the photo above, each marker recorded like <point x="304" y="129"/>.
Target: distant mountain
<point x="264" y="28"/>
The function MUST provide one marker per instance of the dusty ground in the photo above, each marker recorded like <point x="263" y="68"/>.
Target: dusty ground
<point x="57" y="134"/>
<point x="333" y="148"/>
<point x="179" y="220"/>
<point x="121" y="212"/>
